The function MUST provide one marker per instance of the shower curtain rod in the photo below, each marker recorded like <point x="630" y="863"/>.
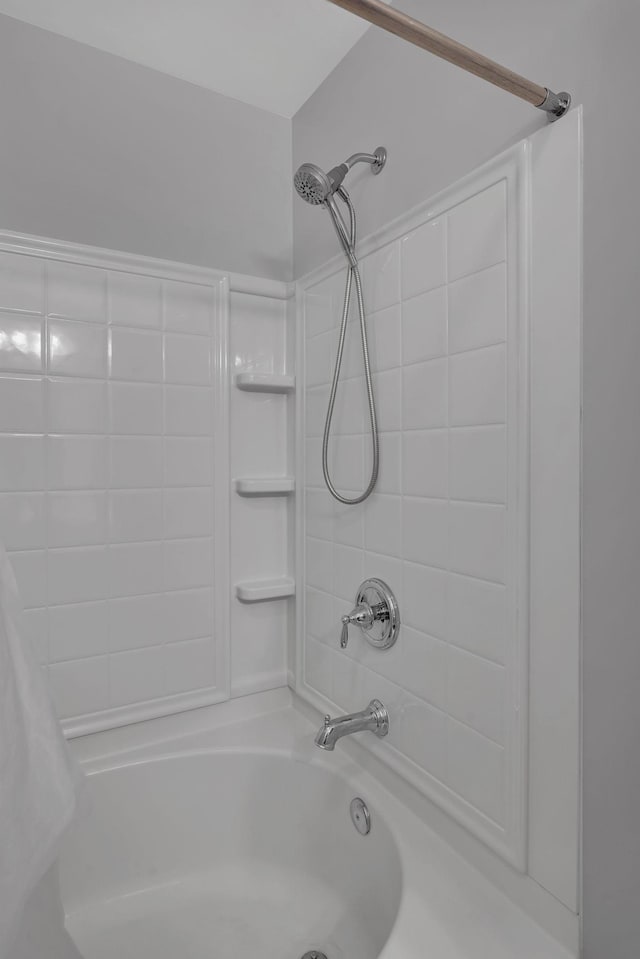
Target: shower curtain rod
<point x="394" y="21"/>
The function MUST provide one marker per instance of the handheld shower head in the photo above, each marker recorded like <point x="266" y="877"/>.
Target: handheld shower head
<point x="319" y="188"/>
<point x="316" y="187"/>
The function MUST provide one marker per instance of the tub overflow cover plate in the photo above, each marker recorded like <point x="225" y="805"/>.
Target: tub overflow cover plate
<point x="360" y="816"/>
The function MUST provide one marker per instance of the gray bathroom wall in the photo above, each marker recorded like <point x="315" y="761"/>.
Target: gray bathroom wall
<point x="438" y="124"/>
<point x="96" y="149"/>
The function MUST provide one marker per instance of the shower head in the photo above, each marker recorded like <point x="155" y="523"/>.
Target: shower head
<point x="316" y="187"/>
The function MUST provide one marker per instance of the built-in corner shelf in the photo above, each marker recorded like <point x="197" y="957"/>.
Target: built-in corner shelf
<point x="265" y="382"/>
<point x="259" y="590"/>
<point x="265" y="486"/>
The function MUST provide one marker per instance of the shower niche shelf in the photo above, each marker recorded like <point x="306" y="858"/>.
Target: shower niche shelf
<point x="265" y="485"/>
<point x="265" y="382"/>
<point x="260" y="590"/>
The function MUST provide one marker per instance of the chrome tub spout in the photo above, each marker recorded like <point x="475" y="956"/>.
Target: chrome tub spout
<point x="374" y="718"/>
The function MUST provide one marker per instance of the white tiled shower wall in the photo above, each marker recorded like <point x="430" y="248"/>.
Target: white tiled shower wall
<point x="120" y="432"/>
<point x="107" y="412"/>
<point x="442" y="527"/>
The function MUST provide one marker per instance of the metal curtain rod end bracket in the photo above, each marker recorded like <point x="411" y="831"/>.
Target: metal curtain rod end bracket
<point x="555" y="105"/>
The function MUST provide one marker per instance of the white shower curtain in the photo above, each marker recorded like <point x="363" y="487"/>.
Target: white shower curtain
<point x="39" y="782"/>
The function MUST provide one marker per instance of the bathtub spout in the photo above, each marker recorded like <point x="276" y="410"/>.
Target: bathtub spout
<point x="374" y="718"/>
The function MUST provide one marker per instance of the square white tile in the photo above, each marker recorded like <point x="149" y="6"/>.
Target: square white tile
<point x="319" y="358"/>
<point x="477" y="387"/>
<point x="135" y="515"/>
<point x="135" y="568"/>
<point x="424" y="395"/>
<point x="76" y="292"/>
<point x="478" y="310"/>
<point x="478" y="535"/>
<point x="381" y="277"/>
<point x="77" y="575"/>
<point x="424" y="326"/>
<point x="383" y="524"/>
<point x="348" y="524"/>
<point x="319" y="572"/>
<point x="188" y="512"/>
<point x="136" y="461"/>
<point x="77" y="349"/>
<point x="425" y="599"/>
<point x="76" y="406"/>
<point x="77" y="462"/>
<point x="348" y="571"/>
<point x="80" y="686"/>
<point x="77" y="518"/>
<point x="20" y="343"/>
<point x="188" y="563"/>
<point x="476" y="693"/>
<point x="188" y="307"/>
<point x="78" y="630"/>
<point x="426" y="531"/>
<point x="30" y="571"/>
<point x="478" y="464"/>
<point x="188" y="410"/>
<point x="188" y="461"/>
<point x="36" y="633"/>
<point x="421" y="666"/>
<point x="135" y="355"/>
<point x="321" y="622"/>
<point x="136" y="621"/>
<point x="187" y="359"/>
<point x="385" y="338"/>
<point x="420" y="734"/>
<point x="390" y="463"/>
<point x="189" y="665"/>
<point x="316" y="401"/>
<point x="22" y="520"/>
<point x="346" y="463"/>
<point x="318" y="309"/>
<point x="477" y="232"/>
<point x="477" y="617"/>
<point x="22" y="462"/>
<point x="424" y="265"/>
<point x="318" y="667"/>
<point x="21" y="404"/>
<point x="349" y="409"/>
<point x="188" y="614"/>
<point x="425" y="463"/>
<point x="387" y="387"/>
<point x="21" y="283"/>
<point x="476" y="769"/>
<point x="135" y="408"/>
<point x="319" y="510"/>
<point x="137" y="676"/>
<point x="135" y="300"/>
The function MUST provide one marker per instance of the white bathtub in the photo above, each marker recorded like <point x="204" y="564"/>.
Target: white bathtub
<point x="234" y="840"/>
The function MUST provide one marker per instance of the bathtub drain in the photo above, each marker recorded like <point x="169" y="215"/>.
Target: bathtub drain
<point x="314" y="954"/>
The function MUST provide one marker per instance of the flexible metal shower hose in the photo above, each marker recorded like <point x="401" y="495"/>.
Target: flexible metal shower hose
<point x="353" y="273"/>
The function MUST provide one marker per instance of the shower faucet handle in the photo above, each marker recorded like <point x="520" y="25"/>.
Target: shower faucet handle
<point x="376" y="613"/>
<point x="361" y="615"/>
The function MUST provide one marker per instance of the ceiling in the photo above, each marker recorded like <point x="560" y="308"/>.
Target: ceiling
<point x="270" y="53"/>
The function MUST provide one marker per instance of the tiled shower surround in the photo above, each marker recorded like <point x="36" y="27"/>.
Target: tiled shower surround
<point x="443" y="527"/>
<point x="107" y="410"/>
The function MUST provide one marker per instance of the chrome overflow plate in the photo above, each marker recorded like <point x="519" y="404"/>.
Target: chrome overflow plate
<point x="376" y="613"/>
<point x="360" y="816"/>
